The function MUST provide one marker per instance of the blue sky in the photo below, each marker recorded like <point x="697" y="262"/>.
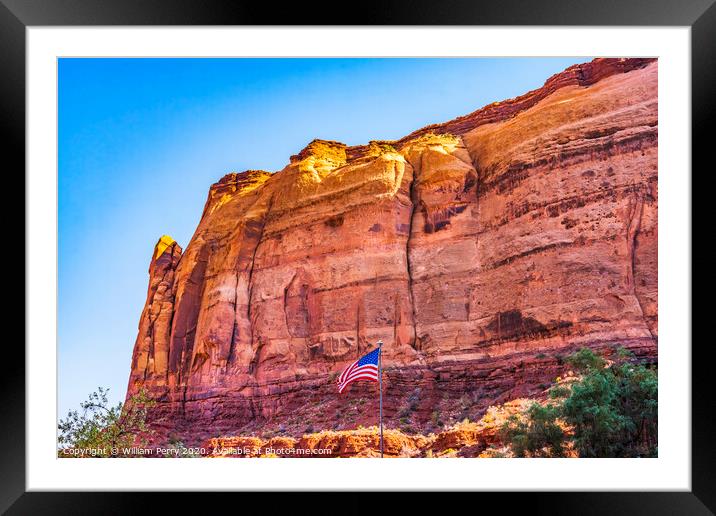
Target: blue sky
<point x="141" y="141"/>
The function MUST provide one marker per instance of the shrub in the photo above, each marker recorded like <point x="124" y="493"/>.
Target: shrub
<point x="437" y="419"/>
<point x="103" y="430"/>
<point x="614" y="411"/>
<point x="536" y="435"/>
<point x="611" y="410"/>
<point x="586" y="360"/>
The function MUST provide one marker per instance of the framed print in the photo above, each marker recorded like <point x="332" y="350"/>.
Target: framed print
<point x="441" y="252"/>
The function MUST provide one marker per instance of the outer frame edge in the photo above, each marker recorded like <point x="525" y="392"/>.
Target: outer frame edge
<point x="12" y="43"/>
<point x="12" y="380"/>
<point x="703" y="110"/>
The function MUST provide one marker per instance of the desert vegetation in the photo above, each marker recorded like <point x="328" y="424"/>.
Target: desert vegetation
<point x="99" y="429"/>
<point x="607" y="410"/>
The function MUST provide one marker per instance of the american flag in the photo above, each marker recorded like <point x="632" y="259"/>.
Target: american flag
<point x="365" y="368"/>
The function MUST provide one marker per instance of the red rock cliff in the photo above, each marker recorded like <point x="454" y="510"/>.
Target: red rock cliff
<point x="480" y="251"/>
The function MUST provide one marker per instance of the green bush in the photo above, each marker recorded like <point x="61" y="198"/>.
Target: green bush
<point x="612" y="411"/>
<point x="436" y="419"/>
<point x="536" y="435"/>
<point x="585" y="360"/>
<point x="102" y="430"/>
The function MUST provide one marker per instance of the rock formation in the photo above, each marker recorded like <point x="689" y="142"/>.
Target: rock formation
<point x="463" y="439"/>
<point x="480" y="251"/>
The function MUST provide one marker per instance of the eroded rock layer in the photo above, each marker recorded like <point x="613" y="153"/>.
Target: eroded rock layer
<point x="480" y="251"/>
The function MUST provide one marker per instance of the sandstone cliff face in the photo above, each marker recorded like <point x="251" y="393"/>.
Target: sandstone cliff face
<point x="480" y="251"/>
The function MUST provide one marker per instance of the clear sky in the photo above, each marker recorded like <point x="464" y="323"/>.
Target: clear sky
<point x="141" y="141"/>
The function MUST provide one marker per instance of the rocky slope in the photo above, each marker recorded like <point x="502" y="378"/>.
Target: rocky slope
<point x="481" y="251"/>
<point x="463" y="439"/>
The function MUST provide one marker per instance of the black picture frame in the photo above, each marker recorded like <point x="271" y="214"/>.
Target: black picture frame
<point x="17" y="15"/>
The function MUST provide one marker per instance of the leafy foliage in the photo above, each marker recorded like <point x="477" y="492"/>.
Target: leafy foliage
<point x="614" y="410"/>
<point x="585" y="360"/>
<point x="536" y="435"/>
<point x="611" y="411"/>
<point x="101" y="430"/>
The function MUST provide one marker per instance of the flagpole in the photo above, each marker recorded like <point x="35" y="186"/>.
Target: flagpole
<point x="380" y="385"/>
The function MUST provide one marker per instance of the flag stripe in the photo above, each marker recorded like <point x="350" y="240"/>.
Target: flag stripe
<point x="361" y="374"/>
<point x="362" y="370"/>
<point x="360" y="377"/>
<point x="343" y="387"/>
<point x="347" y="371"/>
<point x="365" y="368"/>
<point x="370" y="375"/>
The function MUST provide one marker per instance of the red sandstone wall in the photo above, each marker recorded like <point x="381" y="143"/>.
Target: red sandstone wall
<point x="479" y="250"/>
